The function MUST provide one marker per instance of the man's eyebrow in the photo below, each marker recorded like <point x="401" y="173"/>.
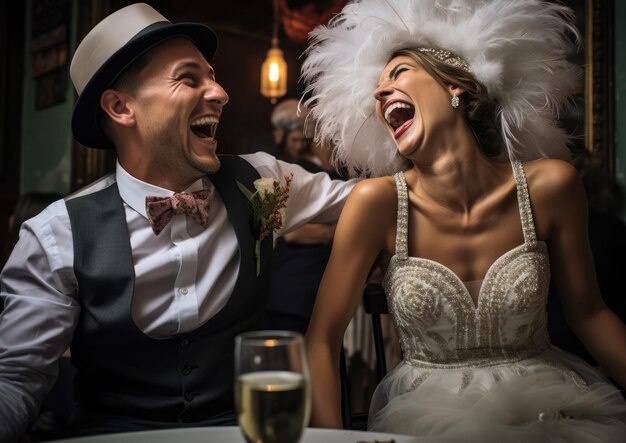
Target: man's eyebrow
<point x="194" y="65"/>
<point x="188" y="64"/>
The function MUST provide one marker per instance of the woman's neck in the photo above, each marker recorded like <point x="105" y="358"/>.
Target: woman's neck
<point x="458" y="179"/>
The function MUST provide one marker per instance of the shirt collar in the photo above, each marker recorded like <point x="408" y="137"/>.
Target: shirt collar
<point x="134" y="191"/>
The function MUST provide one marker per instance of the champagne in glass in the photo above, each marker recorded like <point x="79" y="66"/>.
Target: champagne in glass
<point x="272" y="393"/>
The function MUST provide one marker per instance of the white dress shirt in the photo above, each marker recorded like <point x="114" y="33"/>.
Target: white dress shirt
<point x="183" y="276"/>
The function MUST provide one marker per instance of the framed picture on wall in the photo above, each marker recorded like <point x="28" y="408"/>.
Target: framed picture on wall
<point x="591" y="120"/>
<point x="599" y="81"/>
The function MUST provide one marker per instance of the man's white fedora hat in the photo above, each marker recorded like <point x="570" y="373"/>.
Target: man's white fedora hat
<point x="109" y="48"/>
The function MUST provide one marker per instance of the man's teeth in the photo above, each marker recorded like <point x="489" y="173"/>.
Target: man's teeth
<point x="201" y="124"/>
<point x="392" y="121"/>
<point x="204" y="121"/>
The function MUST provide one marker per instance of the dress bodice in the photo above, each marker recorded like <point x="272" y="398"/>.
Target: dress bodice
<point x="437" y="321"/>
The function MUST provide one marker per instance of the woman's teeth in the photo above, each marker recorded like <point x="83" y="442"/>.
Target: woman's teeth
<point x="403" y="113"/>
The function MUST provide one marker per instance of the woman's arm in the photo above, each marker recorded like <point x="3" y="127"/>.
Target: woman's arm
<point x="562" y="196"/>
<point x="358" y="242"/>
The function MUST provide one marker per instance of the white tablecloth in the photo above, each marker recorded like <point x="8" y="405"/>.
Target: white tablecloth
<point x="232" y="434"/>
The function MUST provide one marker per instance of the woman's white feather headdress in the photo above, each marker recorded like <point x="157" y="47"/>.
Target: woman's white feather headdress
<point x="516" y="48"/>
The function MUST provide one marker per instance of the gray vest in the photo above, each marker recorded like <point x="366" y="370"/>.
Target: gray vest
<point x="186" y="378"/>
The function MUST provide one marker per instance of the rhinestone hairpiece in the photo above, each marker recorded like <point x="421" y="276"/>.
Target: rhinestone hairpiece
<point x="447" y="57"/>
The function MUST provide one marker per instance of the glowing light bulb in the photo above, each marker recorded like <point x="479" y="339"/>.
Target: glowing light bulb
<point x="274" y="75"/>
<point x="274" y="72"/>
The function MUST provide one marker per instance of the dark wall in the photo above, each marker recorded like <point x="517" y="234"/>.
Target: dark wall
<point x="12" y="17"/>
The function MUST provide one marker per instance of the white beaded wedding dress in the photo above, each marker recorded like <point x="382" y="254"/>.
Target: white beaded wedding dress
<point x="485" y="371"/>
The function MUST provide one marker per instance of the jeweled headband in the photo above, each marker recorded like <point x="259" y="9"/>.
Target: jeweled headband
<point x="447" y="57"/>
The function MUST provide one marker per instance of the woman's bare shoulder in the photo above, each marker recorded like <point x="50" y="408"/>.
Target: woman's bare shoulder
<point x="556" y="194"/>
<point x="380" y="190"/>
<point x="550" y="178"/>
<point x="372" y="199"/>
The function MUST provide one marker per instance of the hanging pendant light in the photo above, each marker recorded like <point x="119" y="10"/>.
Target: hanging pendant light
<point x="274" y="68"/>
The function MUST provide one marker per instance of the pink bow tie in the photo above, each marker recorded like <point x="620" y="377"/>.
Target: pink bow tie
<point x="160" y="210"/>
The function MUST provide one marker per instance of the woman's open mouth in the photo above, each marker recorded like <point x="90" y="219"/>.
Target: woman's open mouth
<point x="399" y="115"/>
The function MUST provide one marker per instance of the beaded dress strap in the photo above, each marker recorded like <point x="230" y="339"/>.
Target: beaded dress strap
<point x="403" y="216"/>
<point x="523" y="199"/>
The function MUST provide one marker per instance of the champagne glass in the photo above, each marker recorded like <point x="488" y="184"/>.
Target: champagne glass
<point x="272" y="390"/>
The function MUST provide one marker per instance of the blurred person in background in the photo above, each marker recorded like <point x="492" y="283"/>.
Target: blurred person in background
<point x="300" y="256"/>
<point x="288" y="124"/>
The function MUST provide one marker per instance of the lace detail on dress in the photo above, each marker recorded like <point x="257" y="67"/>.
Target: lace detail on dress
<point x="438" y="323"/>
<point x="567" y="373"/>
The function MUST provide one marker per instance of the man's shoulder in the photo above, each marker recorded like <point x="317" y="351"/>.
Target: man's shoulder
<point x="258" y="159"/>
<point x="237" y="167"/>
<point x="56" y="214"/>
<point x="53" y="218"/>
<point x="99" y="185"/>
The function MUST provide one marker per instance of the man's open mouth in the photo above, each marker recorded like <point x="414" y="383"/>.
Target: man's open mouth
<point x="205" y="127"/>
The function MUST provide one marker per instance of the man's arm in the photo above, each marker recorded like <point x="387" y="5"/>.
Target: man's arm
<point x="312" y="197"/>
<point x="312" y="234"/>
<point x="38" y="319"/>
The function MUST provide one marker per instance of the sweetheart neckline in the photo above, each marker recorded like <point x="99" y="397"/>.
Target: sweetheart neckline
<point x="459" y="283"/>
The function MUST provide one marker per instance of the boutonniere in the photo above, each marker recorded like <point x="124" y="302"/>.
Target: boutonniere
<point x="267" y="204"/>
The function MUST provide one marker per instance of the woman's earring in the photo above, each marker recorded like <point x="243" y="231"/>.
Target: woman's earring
<point x="455" y="101"/>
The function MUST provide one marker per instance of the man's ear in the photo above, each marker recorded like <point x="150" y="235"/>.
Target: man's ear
<point x="116" y="105"/>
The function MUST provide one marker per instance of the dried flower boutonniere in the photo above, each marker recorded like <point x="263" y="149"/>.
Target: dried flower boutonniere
<point x="266" y="203"/>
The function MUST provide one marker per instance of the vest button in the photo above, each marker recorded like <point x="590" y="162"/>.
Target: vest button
<point x="189" y="396"/>
<point x="184" y="343"/>
<point x="186" y="370"/>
